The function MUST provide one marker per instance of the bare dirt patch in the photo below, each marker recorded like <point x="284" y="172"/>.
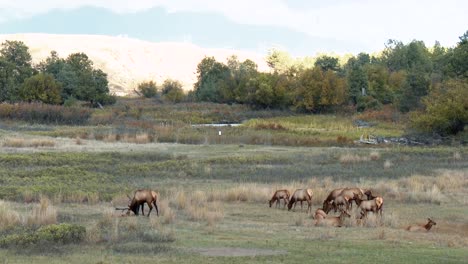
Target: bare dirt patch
<point x="238" y="252"/>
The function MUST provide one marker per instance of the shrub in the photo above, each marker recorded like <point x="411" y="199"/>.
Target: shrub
<point x="42" y="113"/>
<point x="445" y="110"/>
<point x="53" y="234"/>
<point x="42" y="214"/>
<point x="8" y="218"/>
<point x="147" y="89"/>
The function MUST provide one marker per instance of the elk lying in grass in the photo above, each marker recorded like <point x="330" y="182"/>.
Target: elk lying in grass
<point x="320" y="214"/>
<point x="421" y="227"/>
<point x="301" y="195"/>
<point x="278" y="195"/>
<point x="140" y="197"/>
<point x="374" y="205"/>
<point x="333" y="220"/>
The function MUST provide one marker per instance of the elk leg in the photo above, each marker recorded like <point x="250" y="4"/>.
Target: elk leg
<point x="143" y="209"/>
<point x="156" y="207"/>
<point x="301" y="206"/>
<point x="150" y="208"/>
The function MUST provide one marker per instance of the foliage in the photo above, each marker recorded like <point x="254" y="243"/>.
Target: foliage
<point x="327" y="63"/>
<point x="147" y="89"/>
<point x="446" y="109"/>
<point x="79" y="79"/>
<point x="15" y="67"/>
<point x="319" y="90"/>
<point x="52" y="234"/>
<point x="172" y="91"/>
<point x="42" y="113"/>
<point x="41" y="87"/>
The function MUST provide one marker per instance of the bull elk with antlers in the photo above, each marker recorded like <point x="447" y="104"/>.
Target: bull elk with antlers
<point x="140" y="197"/>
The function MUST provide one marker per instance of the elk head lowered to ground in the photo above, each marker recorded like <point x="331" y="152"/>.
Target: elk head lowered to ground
<point x="301" y="195"/>
<point x="140" y="197"/>
<point x="278" y="195"/>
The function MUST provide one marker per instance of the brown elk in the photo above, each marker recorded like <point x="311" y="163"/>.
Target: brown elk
<point x="329" y="202"/>
<point x="333" y="220"/>
<point x="320" y="214"/>
<point x="421" y="227"/>
<point x="374" y="205"/>
<point x="351" y="193"/>
<point x="141" y="197"/>
<point x="301" y="195"/>
<point x="278" y="195"/>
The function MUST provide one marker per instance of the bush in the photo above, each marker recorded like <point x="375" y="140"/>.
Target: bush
<point x="147" y="89"/>
<point x="445" y="109"/>
<point x="55" y="234"/>
<point x="172" y="91"/>
<point x="43" y="113"/>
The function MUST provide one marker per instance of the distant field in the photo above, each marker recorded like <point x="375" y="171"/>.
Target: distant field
<point x="214" y="201"/>
<point x="60" y="185"/>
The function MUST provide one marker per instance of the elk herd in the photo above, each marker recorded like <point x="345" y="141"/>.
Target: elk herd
<point x="339" y="200"/>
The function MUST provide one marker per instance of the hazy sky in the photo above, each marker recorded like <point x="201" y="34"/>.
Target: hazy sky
<point x="367" y="24"/>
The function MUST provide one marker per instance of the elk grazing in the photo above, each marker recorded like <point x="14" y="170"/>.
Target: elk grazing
<point x="301" y="195"/>
<point x="330" y="198"/>
<point x="374" y="205"/>
<point x="421" y="227"/>
<point x="340" y="202"/>
<point x="369" y="195"/>
<point x="333" y="220"/>
<point x="141" y="197"/>
<point x="351" y="193"/>
<point x="278" y="195"/>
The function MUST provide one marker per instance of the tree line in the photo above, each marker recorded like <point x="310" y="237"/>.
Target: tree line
<point x="430" y="82"/>
<point x="53" y="81"/>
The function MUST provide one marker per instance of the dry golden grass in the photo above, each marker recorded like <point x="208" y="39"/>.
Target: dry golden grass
<point x="180" y="201"/>
<point x="352" y="158"/>
<point x="387" y="164"/>
<point x="299" y="220"/>
<point x="79" y="141"/>
<point x="27" y="143"/>
<point x="42" y="214"/>
<point x="374" y="155"/>
<point x="457" y="156"/>
<point x="167" y="214"/>
<point x="8" y="217"/>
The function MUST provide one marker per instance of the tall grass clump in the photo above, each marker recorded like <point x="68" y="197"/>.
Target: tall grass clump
<point x="43" y="113"/>
<point x="8" y="218"/>
<point x="42" y="214"/>
<point x="27" y="143"/>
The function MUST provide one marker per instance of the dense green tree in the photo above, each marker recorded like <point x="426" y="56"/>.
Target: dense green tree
<point x="8" y="83"/>
<point x="358" y="83"/>
<point x="41" y="87"/>
<point x="78" y="78"/>
<point x="458" y="58"/>
<point x="416" y="86"/>
<point x="212" y="81"/>
<point x="15" y="67"/>
<point x="326" y="63"/>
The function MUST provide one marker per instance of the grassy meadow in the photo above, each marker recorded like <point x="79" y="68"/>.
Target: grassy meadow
<point x="60" y="185"/>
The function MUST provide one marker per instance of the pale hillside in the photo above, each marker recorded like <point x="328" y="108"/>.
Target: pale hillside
<point x="130" y="61"/>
